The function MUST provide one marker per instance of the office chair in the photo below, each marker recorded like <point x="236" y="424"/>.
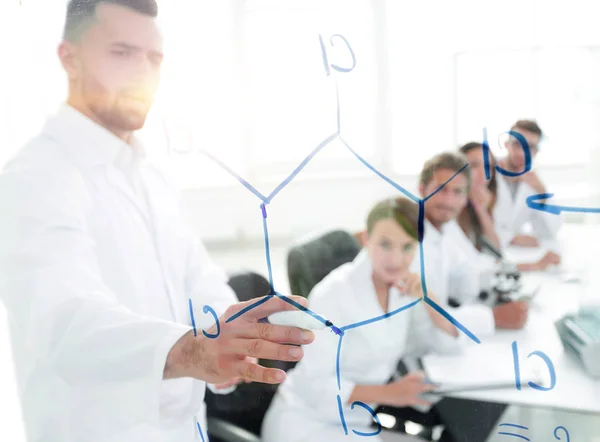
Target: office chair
<point x="310" y="262"/>
<point x="237" y="417"/>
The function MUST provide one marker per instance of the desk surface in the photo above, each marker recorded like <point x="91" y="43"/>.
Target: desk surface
<point x="574" y="389"/>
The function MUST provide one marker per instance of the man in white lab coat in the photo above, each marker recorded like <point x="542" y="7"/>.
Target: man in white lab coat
<point x="511" y="212"/>
<point x="449" y="272"/>
<point x="97" y="263"/>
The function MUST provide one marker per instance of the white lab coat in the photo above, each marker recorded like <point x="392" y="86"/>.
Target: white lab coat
<point x="511" y="215"/>
<point x="452" y="272"/>
<point x="96" y="284"/>
<point x="475" y="258"/>
<point x="305" y="406"/>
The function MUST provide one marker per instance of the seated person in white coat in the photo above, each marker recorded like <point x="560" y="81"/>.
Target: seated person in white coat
<point x="511" y="211"/>
<point x="97" y="264"/>
<point x="449" y="272"/>
<point x="476" y="220"/>
<point x="377" y="282"/>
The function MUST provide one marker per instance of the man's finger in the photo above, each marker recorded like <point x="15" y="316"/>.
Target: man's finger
<point x="420" y="401"/>
<point x="272" y="305"/>
<point x="276" y="333"/>
<point x="257" y="373"/>
<point x="415" y="376"/>
<point x="428" y="387"/>
<point x="261" y="349"/>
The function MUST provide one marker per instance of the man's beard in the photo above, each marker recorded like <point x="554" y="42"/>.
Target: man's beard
<point x="118" y="116"/>
<point x="514" y="167"/>
<point x="122" y="112"/>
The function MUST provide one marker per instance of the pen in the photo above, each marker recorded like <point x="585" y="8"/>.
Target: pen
<point x="300" y="319"/>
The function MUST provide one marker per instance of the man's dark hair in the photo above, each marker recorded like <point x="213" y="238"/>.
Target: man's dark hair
<point x="529" y="126"/>
<point x="402" y="210"/>
<point x="446" y="160"/>
<point x="82" y="13"/>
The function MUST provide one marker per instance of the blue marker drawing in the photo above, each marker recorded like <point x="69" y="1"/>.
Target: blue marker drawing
<point x="341" y="411"/>
<point x="544" y="357"/>
<point x="451" y="319"/>
<point x="250" y="307"/>
<point x="375" y="418"/>
<point x="380" y="318"/>
<point x="267" y="199"/>
<point x="521" y="427"/>
<point x="486" y="155"/>
<point x="557" y="437"/>
<point x="533" y="202"/>
<point x="326" y="63"/>
<point x="200" y="431"/>
<point x="301" y="166"/>
<point x="192" y="316"/>
<point x="379" y="174"/>
<point x="208" y="309"/>
<point x="458" y="172"/>
<point x="517" y="368"/>
<point x="263" y="208"/>
<point x="205" y="309"/>
<point x="337" y="362"/>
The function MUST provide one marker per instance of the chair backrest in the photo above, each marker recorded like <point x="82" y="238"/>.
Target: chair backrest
<point x="248" y="285"/>
<point x="309" y="263"/>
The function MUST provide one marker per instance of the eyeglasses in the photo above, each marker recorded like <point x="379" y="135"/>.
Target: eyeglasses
<point x="515" y="142"/>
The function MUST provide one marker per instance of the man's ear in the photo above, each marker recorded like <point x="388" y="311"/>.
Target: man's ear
<point x="364" y="238"/>
<point x="67" y="54"/>
<point x="361" y="237"/>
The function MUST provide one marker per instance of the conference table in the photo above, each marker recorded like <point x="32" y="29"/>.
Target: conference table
<point x="575" y="396"/>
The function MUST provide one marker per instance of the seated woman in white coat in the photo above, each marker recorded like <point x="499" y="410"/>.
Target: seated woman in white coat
<point x="310" y="405"/>
<point x="476" y="221"/>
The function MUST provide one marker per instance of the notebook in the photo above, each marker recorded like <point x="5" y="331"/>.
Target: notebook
<point x="480" y="367"/>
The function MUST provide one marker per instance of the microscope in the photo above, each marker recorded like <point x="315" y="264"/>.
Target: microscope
<point x="501" y="284"/>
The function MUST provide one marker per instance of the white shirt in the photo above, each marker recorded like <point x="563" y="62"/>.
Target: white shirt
<point x="461" y="241"/>
<point x="305" y="406"/>
<point x="96" y="282"/>
<point x="511" y="215"/>
<point x="450" y="273"/>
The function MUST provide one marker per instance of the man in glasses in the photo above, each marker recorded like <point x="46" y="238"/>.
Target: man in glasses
<point x="511" y="212"/>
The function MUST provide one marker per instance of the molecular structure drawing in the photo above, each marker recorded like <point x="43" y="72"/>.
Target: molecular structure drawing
<point x="338" y="329"/>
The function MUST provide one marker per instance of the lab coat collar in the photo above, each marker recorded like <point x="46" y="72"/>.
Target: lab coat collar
<point x="434" y="235"/>
<point x="89" y="143"/>
<point x="363" y="269"/>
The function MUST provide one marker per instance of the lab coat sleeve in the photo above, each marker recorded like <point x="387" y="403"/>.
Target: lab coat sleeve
<point x="206" y="283"/>
<point x="464" y="286"/>
<point x="425" y="337"/>
<point x="316" y="374"/>
<point x="545" y="225"/>
<point x="65" y="318"/>
<point x="464" y="277"/>
<point x="504" y="231"/>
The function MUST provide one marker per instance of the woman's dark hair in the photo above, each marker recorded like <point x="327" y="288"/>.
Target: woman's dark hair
<point x="492" y="184"/>
<point x="404" y="211"/>
<point x="468" y="219"/>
